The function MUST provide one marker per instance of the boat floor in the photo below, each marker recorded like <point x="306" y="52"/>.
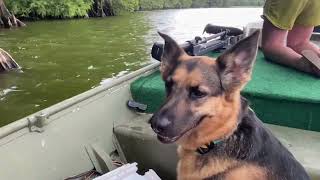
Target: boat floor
<point x="139" y="144"/>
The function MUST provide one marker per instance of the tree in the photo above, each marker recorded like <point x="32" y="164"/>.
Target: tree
<point x="7" y="62"/>
<point x="8" y="19"/>
<point x="101" y="8"/>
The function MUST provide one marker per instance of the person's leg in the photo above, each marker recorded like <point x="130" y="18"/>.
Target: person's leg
<point x="275" y="49"/>
<point x="299" y="39"/>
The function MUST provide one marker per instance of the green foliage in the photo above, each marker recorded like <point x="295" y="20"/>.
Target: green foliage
<point x="18" y="7"/>
<point x="170" y="4"/>
<point x="80" y="8"/>
<point x="120" y="6"/>
<point x="49" y="8"/>
<point x="151" y="4"/>
<point x="228" y="3"/>
<point x="200" y="3"/>
<point x="184" y="4"/>
<point x="216" y="3"/>
<point x="225" y="3"/>
<point x="164" y="4"/>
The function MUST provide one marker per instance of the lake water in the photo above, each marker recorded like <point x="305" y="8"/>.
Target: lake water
<point x="61" y="59"/>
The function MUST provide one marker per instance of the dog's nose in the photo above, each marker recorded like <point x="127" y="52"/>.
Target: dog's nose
<point x="161" y="125"/>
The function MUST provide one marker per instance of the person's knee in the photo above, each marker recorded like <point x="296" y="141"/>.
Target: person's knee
<point x="267" y="50"/>
<point x="268" y="47"/>
<point x="299" y="37"/>
<point x="297" y="45"/>
<point x="271" y="49"/>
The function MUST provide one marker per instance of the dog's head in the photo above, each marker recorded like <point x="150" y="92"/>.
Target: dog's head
<point x="203" y="94"/>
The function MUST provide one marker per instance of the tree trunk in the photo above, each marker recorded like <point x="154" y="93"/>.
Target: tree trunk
<point x="101" y="8"/>
<point x="107" y="8"/>
<point x="7" y="63"/>
<point x="8" y="20"/>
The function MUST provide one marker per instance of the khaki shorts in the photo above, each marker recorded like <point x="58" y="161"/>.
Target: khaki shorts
<point x="284" y="14"/>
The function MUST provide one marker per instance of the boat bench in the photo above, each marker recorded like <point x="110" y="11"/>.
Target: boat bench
<point x="279" y="95"/>
<point x="138" y="143"/>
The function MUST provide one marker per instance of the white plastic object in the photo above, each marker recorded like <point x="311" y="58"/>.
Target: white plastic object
<point x="128" y="172"/>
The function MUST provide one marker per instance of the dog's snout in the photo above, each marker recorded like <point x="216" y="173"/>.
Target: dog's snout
<point x="161" y="125"/>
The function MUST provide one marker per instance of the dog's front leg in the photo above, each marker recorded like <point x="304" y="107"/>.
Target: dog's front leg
<point x="193" y="166"/>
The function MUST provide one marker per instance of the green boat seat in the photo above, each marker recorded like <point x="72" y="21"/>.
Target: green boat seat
<point x="279" y="95"/>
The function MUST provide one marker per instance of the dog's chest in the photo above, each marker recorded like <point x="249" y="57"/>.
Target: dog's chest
<point x="195" y="166"/>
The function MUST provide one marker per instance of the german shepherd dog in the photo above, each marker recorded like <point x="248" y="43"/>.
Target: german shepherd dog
<point x="219" y="137"/>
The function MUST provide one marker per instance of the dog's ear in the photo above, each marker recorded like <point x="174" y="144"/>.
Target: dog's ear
<point x="170" y="55"/>
<point x="235" y="65"/>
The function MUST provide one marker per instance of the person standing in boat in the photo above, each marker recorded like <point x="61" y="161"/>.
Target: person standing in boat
<point x="287" y="28"/>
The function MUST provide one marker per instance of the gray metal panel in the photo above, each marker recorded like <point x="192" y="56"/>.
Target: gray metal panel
<point x="303" y="144"/>
<point x="139" y="144"/>
<point x="59" y="151"/>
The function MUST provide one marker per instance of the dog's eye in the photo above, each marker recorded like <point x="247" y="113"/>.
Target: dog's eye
<point x="196" y="93"/>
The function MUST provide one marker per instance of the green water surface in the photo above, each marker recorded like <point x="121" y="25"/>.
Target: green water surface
<point x="63" y="58"/>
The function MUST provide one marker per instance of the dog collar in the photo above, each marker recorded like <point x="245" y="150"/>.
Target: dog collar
<point x="208" y="147"/>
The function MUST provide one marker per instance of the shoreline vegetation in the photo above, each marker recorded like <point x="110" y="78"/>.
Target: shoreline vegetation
<point x="64" y="9"/>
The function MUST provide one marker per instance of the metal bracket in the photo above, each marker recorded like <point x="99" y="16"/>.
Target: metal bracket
<point x="118" y="148"/>
<point x="139" y="107"/>
<point x="38" y="124"/>
<point x="99" y="158"/>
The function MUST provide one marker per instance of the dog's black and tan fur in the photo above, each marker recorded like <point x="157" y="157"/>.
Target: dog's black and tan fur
<point x="204" y="105"/>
